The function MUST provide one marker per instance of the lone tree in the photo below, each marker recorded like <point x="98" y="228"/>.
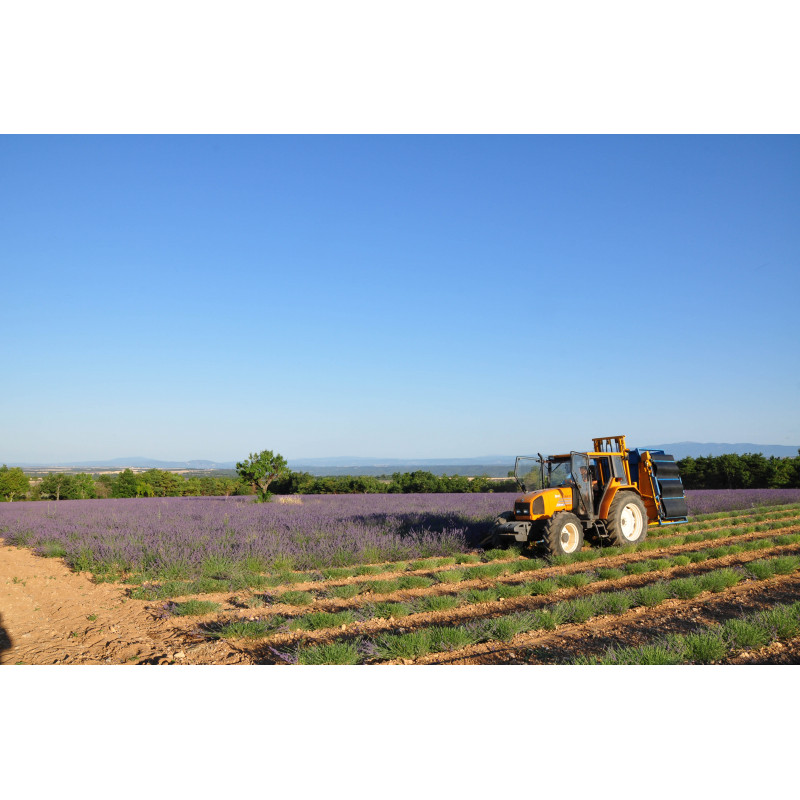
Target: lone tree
<point x="260" y="470"/>
<point x="13" y="483"/>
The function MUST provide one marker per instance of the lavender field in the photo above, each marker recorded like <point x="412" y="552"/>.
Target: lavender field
<point x="186" y="537"/>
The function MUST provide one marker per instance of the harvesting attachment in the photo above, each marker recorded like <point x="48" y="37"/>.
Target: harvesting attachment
<point x="611" y="494"/>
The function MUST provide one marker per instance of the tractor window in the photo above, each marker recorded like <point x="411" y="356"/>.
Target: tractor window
<point x="528" y="473"/>
<point x="594" y="474"/>
<point x="559" y="472"/>
<point x="604" y="470"/>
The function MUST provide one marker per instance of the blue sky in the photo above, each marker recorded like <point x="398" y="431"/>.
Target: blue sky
<point x="398" y="296"/>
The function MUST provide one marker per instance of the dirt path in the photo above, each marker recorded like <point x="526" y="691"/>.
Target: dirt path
<point x="50" y="615"/>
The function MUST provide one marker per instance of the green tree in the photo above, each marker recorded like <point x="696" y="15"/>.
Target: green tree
<point x="260" y="469"/>
<point x="143" y="487"/>
<point x="226" y="486"/>
<point x="82" y="487"/>
<point x="57" y="486"/>
<point x="192" y="487"/>
<point x="124" y="485"/>
<point x="103" y="485"/>
<point x="163" y="483"/>
<point x="13" y="483"/>
<point x="419" y="481"/>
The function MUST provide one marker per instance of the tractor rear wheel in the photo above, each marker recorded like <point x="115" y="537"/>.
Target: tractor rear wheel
<point x="627" y="519"/>
<point x="563" y="534"/>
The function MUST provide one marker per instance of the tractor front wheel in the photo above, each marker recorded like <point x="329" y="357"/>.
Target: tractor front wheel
<point x="627" y="519"/>
<point x="563" y="534"/>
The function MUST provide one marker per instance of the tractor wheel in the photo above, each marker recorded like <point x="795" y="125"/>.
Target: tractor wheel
<point x="627" y="519"/>
<point x="563" y="534"/>
<point x="497" y="540"/>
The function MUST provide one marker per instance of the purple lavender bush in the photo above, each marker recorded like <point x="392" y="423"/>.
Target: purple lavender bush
<point x="190" y="536"/>
<point x="184" y="537"/>
<point x="709" y="501"/>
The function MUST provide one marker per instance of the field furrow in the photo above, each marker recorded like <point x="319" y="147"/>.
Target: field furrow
<point x="471" y="612"/>
<point x="639" y="625"/>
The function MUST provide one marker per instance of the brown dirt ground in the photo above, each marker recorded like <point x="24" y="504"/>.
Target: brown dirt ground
<point x="50" y="615"/>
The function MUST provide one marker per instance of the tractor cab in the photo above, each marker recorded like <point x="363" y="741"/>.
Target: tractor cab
<point x="585" y="476"/>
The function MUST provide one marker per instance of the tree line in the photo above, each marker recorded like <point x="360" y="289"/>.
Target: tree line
<point x="15" y="485"/>
<point x="418" y="481"/>
<point x="747" y="471"/>
<point x="730" y="471"/>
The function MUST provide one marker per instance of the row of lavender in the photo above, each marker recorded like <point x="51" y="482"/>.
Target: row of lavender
<point x="179" y="535"/>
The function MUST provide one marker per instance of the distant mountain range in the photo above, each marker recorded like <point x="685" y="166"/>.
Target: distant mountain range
<point x="496" y="466"/>
<point x="136" y="461"/>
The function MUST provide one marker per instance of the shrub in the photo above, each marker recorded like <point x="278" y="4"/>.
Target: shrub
<point x="613" y="602"/>
<point x="447" y="638"/>
<point x="574" y="581"/>
<point x="484" y="571"/>
<point x="649" y="654"/>
<point x="780" y="621"/>
<point x="760" y="569"/>
<point x="389" y="609"/>
<point x="685" y="588"/>
<point x="441" y="602"/>
<point x="52" y="549"/>
<point x="507" y="627"/>
<point x="450" y="576"/>
<point x="785" y="565"/>
<point x="369" y="569"/>
<point x="247" y="629"/>
<point x="742" y="633"/>
<point x="506" y="590"/>
<point x="498" y="554"/>
<point x="348" y="591"/>
<point x="481" y="595"/>
<point x="719" y="580"/>
<point x="414" y="582"/>
<point x="330" y="654"/>
<point x="403" y="645"/>
<point x="609" y="573"/>
<point x="296" y="598"/>
<point x="704" y="647"/>
<point x="319" y="620"/>
<point x="652" y="594"/>
<point x="580" y="609"/>
<point x="543" y="586"/>
<point x="194" y="608"/>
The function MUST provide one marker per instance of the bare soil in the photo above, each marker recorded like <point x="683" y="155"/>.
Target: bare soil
<point x="50" y="615"/>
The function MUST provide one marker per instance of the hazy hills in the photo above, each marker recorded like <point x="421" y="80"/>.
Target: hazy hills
<point x="496" y="466"/>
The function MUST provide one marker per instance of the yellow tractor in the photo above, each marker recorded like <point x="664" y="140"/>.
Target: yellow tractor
<point x="612" y="493"/>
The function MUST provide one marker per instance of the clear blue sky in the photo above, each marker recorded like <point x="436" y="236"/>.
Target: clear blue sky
<point x="431" y="296"/>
